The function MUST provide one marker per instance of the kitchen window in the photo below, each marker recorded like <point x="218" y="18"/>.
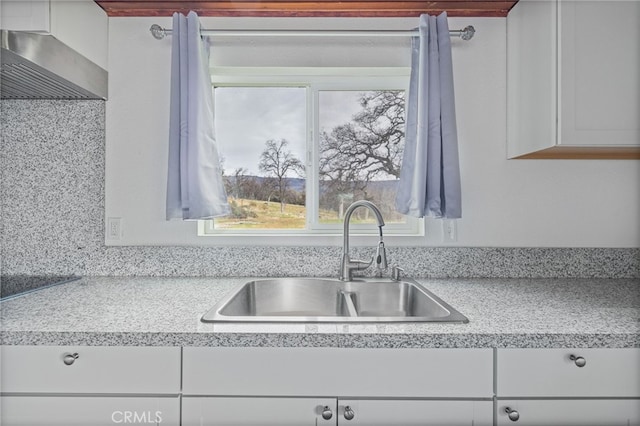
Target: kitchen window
<point x="299" y="145"/>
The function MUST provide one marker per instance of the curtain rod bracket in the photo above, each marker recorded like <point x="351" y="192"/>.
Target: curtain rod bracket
<point x="157" y="32"/>
<point x="467" y="33"/>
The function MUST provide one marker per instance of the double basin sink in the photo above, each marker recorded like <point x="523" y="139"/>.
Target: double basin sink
<point x="308" y="300"/>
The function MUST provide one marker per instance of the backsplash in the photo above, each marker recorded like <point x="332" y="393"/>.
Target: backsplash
<point x="52" y="165"/>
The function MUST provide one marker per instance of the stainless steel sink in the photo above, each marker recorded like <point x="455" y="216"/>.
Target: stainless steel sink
<point x="328" y="300"/>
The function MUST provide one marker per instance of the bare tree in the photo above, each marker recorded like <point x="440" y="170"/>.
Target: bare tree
<point x="239" y="184"/>
<point x="367" y="148"/>
<point x="370" y="145"/>
<point x="277" y="162"/>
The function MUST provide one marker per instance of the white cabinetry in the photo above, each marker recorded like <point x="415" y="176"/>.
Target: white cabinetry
<point x="569" y="387"/>
<point x="80" y="24"/>
<point x="257" y="411"/>
<point x="261" y="411"/>
<point x="262" y="386"/>
<point x="416" y="413"/>
<point x="88" y="411"/>
<point x="571" y="412"/>
<point x="573" y="79"/>
<point x="45" y="385"/>
<point x="249" y="386"/>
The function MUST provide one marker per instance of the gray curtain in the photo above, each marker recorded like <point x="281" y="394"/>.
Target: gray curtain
<point x="430" y="174"/>
<point x="195" y="189"/>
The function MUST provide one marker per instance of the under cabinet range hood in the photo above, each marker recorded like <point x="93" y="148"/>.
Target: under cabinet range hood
<point x="39" y="66"/>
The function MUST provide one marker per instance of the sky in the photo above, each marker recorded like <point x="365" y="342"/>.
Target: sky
<point x="246" y="117"/>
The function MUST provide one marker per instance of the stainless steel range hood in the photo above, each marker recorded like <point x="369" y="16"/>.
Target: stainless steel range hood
<point x="38" y="66"/>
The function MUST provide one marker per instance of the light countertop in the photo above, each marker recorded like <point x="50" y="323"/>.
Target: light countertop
<point x="159" y="311"/>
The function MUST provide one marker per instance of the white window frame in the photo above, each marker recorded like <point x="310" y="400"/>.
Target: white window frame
<point x="315" y="80"/>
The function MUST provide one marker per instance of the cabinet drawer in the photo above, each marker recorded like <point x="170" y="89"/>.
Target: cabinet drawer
<point x="151" y="370"/>
<point x="88" y="411"/>
<point x="220" y="411"/>
<point x="552" y="372"/>
<point x="338" y="372"/>
<point x="567" y="412"/>
<point x="377" y="412"/>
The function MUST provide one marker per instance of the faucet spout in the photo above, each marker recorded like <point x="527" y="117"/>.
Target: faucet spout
<point x="348" y="266"/>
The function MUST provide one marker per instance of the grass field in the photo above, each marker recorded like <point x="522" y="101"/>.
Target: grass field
<point x="267" y="215"/>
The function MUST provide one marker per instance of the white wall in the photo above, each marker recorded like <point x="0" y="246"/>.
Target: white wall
<point x="510" y="203"/>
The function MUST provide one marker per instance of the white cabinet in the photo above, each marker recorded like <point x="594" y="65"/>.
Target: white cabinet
<point x="570" y="412"/>
<point x="415" y="413"/>
<point x="44" y="385"/>
<point x="221" y="411"/>
<point x="249" y="386"/>
<point x="553" y="373"/>
<point x="80" y="24"/>
<point x="573" y="79"/>
<point x="257" y="411"/>
<point x="414" y="373"/>
<point x="568" y="386"/>
<point x="88" y="411"/>
<point x="296" y="386"/>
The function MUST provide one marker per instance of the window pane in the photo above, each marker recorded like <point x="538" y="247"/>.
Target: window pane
<point x="361" y="144"/>
<point x="261" y="135"/>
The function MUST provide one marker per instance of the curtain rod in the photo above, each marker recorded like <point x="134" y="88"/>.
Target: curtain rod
<point x="159" y="33"/>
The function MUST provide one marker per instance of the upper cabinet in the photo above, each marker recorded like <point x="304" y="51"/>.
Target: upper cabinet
<point x="80" y="24"/>
<point x="573" y="79"/>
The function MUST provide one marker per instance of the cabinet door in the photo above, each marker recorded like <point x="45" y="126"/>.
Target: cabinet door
<point x="88" y="411"/>
<point x="350" y="373"/>
<point x="528" y="373"/>
<point x="24" y="15"/>
<point x="222" y="411"/>
<point x="599" y="73"/>
<point x="571" y="412"/>
<point x="90" y="369"/>
<point x="531" y="77"/>
<point x="414" y="413"/>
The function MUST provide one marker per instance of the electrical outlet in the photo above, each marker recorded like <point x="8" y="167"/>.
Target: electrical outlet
<point x="114" y="228"/>
<point x="449" y="231"/>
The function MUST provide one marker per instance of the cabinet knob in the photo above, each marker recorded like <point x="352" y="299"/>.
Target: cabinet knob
<point x="513" y="414"/>
<point x="327" y="413"/>
<point x="578" y="360"/>
<point x="70" y="358"/>
<point x="348" y="413"/>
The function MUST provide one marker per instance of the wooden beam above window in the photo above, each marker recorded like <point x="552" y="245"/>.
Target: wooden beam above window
<point x="303" y="8"/>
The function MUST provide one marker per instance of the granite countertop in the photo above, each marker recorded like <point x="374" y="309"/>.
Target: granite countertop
<point x="159" y="311"/>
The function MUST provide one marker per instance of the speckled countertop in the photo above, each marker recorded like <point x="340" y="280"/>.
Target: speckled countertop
<point x="152" y="311"/>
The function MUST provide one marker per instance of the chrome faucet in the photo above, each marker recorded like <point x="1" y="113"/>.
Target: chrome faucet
<point x="348" y="265"/>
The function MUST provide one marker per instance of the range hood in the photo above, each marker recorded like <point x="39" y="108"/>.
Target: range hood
<point x="39" y="66"/>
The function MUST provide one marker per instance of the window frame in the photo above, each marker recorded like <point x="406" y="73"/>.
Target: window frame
<point x="314" y="80"/>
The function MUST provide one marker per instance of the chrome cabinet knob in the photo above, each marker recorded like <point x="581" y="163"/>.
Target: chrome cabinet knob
<point x="578" y="360"/>
<point x="348" y="413"/>
<point x="513" y="414"/>
<point x="70" y="358"/>
<point x="327" y="413"/>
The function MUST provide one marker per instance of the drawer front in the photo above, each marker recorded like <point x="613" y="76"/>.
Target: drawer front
<point x="97" y="369"/>
<point x="567" y="412"/>
<point x="552" y="372"/>
<point x="377" y="412"/>
<point x="220" y="411"/>
<point x="338" y="372"/>
<point x="88" y="411"/>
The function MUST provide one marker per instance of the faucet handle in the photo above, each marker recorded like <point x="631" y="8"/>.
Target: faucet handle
<point x="396" y="273"/>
